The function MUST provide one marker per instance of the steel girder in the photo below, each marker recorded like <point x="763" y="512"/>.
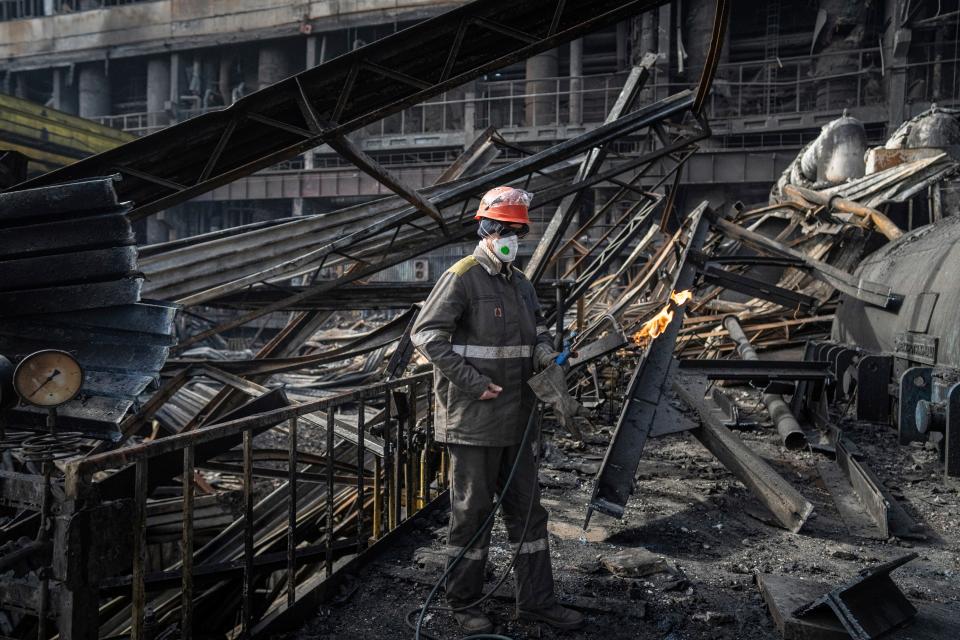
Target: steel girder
<point x="650" y="381"/>
<point x="328" y="101"/>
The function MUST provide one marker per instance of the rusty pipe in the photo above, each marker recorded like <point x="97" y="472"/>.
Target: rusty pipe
<point x="790" y="432"/>
<point x="880" y="221"/>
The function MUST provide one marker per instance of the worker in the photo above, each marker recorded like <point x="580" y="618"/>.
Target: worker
<point x="482" y="329"/>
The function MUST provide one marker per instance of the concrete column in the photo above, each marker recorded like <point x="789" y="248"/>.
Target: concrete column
<point x="469" y="113"/>
<point x="697" y="32"/>
<point x="576" y="81"/>
<point x="296" y="206"/>
<point x="158" y="90"/>
<point x="65" y="91"/>
<point x="623" y="34"/>
<point x="896" y="43"/>
<point x="648" y="35"/>
<point x="542" y="99"/>
<point x="224" y="77"/>
<point x="174" y="84"/>
<point x="664" y="49"/>
<point x="49" y="7"/>
<point x="837" y="61"/>
<point x="56" y="81"/>
<point x="93" y="89"/>
<point x="698" y="27"/>
<point x="311" y="52"/>
<point x="209" y="74"/>
<point x="20" y="85"/>
<point x="273" y="65"/>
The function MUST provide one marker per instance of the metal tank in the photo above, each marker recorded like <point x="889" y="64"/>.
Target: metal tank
<point x="923" y="267"/>
<point x="903" y="368"/>
<point x="833" y="157"/>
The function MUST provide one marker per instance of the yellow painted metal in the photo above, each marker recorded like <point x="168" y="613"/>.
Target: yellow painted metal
<point x="377" y="499"/>
<point x="51" y="138"/>
<point x="422" y="493"/>
<point x="443" y="467"/>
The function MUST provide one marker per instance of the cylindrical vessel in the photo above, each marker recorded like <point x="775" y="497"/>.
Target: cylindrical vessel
<point x="922" y="267"/>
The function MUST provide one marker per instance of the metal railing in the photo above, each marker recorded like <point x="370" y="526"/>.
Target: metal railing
<point x="391" y="476"/>
<point x="744" y="89"/>
<point x="19" y="9"/>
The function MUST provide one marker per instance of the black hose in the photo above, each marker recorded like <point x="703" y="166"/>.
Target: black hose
<point x="418" y="633"/>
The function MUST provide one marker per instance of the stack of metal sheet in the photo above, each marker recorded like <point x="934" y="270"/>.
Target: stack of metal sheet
<point x="69" y="281"/>
<point x="66" y="247"/>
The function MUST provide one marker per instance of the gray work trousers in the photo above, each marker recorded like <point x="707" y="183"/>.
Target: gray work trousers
<point x="477" y="474"/>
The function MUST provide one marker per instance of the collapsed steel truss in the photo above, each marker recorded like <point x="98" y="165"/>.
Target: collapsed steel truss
<point x="323" y="103"/>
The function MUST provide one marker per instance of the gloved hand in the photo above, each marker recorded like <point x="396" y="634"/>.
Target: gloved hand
<point x="544" y="356"/>
<point x="550" y="385"/>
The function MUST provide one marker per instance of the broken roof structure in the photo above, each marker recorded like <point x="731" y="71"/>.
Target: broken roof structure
<point x="265" y="447"/>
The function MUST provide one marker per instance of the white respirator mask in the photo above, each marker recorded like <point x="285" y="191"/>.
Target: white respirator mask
<point x="506" y="248"/>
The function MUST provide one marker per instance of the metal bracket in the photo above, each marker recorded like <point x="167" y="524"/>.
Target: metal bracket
<point x="951" y="435"/>
<point x="916" y="384"/>
<point x="869" y="605"/>
<point x="840" y="361"/>
<point x="873" y="382"/>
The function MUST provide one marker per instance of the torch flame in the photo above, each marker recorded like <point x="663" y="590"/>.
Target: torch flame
<point x="658" y="323"/>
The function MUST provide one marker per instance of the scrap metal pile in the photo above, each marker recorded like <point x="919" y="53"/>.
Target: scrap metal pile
<point x="255" y="479"/>
<point x="852" y="270"/>
<point x="275" y="484"/>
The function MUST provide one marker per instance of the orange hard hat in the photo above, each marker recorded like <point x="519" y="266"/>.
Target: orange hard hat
<point x="505" y="204"/>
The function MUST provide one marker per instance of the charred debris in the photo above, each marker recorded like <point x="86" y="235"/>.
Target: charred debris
<point x="195" y="484"/>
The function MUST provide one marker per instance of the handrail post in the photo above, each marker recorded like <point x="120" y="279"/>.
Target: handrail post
<point x="292" y="513"/>
<point x="186" y="547"/>
<point x="139" y="595"/>
<point x="361" y="456"/>
<point x="330" y="462"/>
<point x="247" y="593"/>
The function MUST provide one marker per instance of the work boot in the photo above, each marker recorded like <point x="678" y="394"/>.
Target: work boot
<point x="473" y="621"/>
<point x="555" y="615"/>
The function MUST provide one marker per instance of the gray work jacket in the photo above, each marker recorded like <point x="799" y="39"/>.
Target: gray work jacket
<point x="482" y="323"/>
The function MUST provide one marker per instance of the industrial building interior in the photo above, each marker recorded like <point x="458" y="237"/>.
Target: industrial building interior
<point x="219" y="222"/>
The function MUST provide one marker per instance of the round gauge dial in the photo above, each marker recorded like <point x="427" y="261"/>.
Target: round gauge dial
<point x="48" y="378"/>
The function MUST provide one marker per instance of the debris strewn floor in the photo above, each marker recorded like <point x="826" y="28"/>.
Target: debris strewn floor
<point x="685" y="555"/>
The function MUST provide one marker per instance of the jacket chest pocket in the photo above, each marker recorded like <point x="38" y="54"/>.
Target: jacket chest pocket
<point x="487" y="319"/>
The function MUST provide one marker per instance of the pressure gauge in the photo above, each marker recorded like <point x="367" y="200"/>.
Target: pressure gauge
<point x="48" y="378"/>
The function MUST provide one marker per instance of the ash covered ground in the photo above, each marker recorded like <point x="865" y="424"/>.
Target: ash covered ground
<point x="689" y="511"/>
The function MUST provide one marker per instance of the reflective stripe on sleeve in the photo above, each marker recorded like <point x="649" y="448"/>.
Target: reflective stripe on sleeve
<point x="493" y="353"/>
<point x="430" y="335"/>
<point x="542" y="328"/>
